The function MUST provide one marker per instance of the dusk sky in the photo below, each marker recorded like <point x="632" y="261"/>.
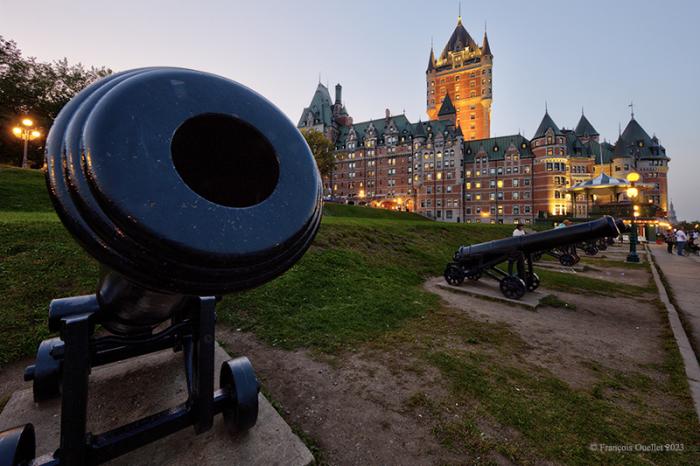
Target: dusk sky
<point x="600" y="55"/>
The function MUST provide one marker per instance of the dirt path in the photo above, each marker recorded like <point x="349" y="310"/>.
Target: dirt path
<point x="354" y="407"/>
<point x="621" y="334"/>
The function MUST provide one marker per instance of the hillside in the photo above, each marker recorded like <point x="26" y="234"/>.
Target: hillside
<point x="374" y="344"/>
<point x="344" y="290"/>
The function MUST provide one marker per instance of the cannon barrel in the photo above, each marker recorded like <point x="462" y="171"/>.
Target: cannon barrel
<point x="180" y="183"/>
<point x="539" y="241"/>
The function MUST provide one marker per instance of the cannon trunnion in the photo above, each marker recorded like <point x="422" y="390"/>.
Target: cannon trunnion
<point x="184" y="186"/>
<point x="482" y="259"/>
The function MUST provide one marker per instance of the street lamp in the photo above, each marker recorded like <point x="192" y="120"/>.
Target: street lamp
<point x="632" y="193"/>
<point x="26" y="133"/>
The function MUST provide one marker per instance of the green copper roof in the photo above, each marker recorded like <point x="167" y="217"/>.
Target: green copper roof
<point x="585" y="128"/>
<point x="635" y="142"/>
<point x="496" y="147"/>
<point x="320" y="107"/>
<point x="546" y="123"/>
<point x="459" y="40"/>
<point x="447" y="108"/>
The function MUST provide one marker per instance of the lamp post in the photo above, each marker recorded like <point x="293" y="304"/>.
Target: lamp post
<point x="632" y="193"/>
<point x="26" y="133"/>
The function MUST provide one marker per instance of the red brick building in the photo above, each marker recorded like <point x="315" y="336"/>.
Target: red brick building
<point x="450" y="169"/>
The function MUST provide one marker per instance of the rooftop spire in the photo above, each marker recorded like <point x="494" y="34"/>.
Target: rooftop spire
<point x="459" y="17"/>
<point x="431" y="60"/>
<point x="631" y="106"/>
<point x="485" y="47"/>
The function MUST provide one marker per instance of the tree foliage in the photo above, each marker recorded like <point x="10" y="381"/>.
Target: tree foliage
<point x="38" y="90"/>
<point x="322" y="149"/>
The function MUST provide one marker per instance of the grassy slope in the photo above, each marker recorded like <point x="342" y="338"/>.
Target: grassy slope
<point x="360" y="282"/>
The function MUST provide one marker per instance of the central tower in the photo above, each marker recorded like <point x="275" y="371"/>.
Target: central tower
<point x="461" y="76"/>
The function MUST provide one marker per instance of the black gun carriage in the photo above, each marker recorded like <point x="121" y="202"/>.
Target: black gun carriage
<point x="472" y="262"/>
<point x="568" y="255"/>
<point x="184" y="186"/>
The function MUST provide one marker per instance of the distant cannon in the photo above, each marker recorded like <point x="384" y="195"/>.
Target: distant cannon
<point x="482" y="259"/>
<point x="184" y="186"/>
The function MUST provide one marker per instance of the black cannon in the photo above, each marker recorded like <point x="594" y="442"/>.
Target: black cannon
<point x="184" y="186"/>
<point x="473" y="261"/>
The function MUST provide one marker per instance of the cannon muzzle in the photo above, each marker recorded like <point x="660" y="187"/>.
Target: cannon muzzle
<point x="180" y="183"/>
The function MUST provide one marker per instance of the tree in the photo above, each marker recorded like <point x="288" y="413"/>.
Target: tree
<point x="30" y="87"/>
<point x="322" y="149"/>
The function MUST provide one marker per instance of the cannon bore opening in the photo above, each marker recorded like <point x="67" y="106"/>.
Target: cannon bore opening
<point x="225" y="160"/>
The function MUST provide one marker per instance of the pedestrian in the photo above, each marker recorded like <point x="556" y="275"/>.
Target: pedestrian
<point x="565" y="223"/>
<point x="693" y="246"/>
<point x="519" y="230"/>
<point x="670" y="239"/>
<point x="681" y="238"/>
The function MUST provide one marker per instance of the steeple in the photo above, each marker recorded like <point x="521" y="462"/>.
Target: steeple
<point x="419" y="131"/>
<point x="431" y="60"/>
<point x="485" y="47"/>
<point x="546" y="124"/>
<point x="584" y="127"/>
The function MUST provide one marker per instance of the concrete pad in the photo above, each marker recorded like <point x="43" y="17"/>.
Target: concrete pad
<point x="560" y="268"/>
<point x="487" y="288"/>
<point x="129" y="390"/>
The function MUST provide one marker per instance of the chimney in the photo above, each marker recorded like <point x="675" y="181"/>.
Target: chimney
<point x="338" y="93"/>
<point x="387" y="114"/>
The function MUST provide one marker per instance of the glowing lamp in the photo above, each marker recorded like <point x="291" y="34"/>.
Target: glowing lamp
<point x="633" y="177"/>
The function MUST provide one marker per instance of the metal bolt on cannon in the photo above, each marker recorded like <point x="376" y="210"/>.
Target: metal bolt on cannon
<point x="184" y="186"/>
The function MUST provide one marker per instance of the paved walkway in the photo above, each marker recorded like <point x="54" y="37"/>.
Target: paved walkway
<point x="683" y="275"/>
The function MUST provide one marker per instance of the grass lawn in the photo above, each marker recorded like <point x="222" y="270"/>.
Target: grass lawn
<point x="360" y="283"/>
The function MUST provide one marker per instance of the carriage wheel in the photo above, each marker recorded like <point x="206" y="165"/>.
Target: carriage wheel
<point x="567" y="260"/>
<point x="239" y="382"/>
<point x="591" y="250"/>
<point x="532" y="280"/>
<point x="454" y="275"/>
<point x="17" y="446"/>
<point x="513" y="287"/>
